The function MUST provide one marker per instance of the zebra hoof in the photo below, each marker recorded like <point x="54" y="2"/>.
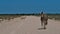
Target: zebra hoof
<point x="44" y="28"/>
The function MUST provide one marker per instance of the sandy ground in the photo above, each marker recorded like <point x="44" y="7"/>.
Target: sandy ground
<point x="29" y="25"/>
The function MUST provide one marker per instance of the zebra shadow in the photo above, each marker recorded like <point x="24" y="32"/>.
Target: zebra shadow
<point x="41" y="28"/>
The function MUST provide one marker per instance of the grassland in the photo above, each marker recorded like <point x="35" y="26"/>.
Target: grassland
<point x="54" y="16"/>
<point x="12" y="16"/>
<point x="8" y="16"/>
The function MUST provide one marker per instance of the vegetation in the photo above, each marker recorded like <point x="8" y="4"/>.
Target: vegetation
<point x="54" y="16"/>
<point x="12" y="16"/>
<point x="8" y="16"/>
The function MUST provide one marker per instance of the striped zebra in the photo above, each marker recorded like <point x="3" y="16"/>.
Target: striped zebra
<point x="44" y="19"/>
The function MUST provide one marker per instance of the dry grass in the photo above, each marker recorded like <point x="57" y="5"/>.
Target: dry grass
<point x="8" y="17"/>
<point x="55" y="17"/>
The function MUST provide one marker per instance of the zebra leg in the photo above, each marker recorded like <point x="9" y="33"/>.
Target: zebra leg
<point x="41" y="24"/>
<point x="46" y="22"/>
<point x="44" y="26"/>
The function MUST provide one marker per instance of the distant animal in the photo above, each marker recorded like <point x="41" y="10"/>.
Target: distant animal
<point x="44" y="19"/>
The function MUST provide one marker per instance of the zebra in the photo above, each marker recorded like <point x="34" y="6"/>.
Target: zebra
<point x="44" y="20"/>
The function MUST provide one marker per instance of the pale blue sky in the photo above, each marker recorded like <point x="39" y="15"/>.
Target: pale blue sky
<point x="29" y="6"/>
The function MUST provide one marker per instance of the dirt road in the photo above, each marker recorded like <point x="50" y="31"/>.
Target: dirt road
<point x="29" y="25"/>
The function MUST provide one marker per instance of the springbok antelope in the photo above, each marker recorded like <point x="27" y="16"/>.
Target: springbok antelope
<point x="44" y="19"/>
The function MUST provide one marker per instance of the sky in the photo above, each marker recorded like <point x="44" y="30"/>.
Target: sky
<point x="29" y="6"/>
